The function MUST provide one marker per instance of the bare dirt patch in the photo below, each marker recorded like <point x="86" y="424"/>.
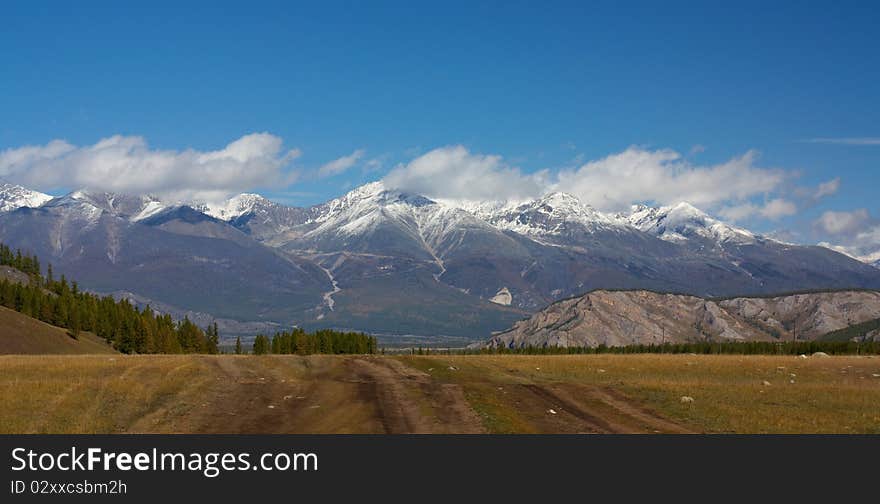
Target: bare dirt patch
<point x="409" y="401"/>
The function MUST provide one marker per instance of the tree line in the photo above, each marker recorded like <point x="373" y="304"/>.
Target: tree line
<point x="123" y="325"/>
<point x="703" y="347"/>
<point x="323" y="341"/>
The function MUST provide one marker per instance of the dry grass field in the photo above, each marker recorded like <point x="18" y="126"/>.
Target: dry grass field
<point x="437" y="394"/>
<point x="731" y="394"/>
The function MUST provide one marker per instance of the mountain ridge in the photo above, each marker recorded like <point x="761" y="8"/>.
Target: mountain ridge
<point x="14" y="196"/>
<point x="632" y="317"/>
<point x="381" y="259"/>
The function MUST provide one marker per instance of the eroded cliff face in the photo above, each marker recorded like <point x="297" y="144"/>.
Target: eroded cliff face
<point x="616" y="318"/>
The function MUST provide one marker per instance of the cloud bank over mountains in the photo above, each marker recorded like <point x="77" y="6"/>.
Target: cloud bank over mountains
<point x="738" y="189"/>
<point x="126" y="164"/>
<point x="855" y="233"/>
<point x="455" y="173"/>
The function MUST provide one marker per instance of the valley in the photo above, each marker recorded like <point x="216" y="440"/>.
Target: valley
<point x="398" y="264"/>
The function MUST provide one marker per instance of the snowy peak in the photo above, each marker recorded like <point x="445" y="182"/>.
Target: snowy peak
<point x="872" y="258"/>
<point x="377" y="220"/>
<point x="13" y="197"/>
<point x="371" y="196"/>
<point x="556" y="213"/>
<point x="683" y="221"/>
<point x="564" y="206"/>
<point x="372" y="199"/>
<point x="236" y="206"/>
<point x="93" y="204"/>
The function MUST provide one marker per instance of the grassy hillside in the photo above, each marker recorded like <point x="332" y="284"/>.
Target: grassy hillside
<point x="853" y="331"/>
<point x="20" y="334"/>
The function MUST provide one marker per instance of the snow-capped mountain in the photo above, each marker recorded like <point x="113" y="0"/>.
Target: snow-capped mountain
<point x="372" y="211"/>
<point x="389" y="261"/>
<point x="555" y="214"/>
<point x="865" y="255"/>
<point x="14" y="196"/>
<point x="90" y="206"/>
<point x="872" y="259"/>
<point x="264" y="220"/>
<point x="172" y="254"/>
<point x="236" y="206"/>
<point x="683" y="222"/>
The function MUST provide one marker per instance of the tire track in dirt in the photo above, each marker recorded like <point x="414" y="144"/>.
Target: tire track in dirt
<point x="372" y="394"/>
<point x="291" y="394"/>
<point x="409" y="401"/>
<point x="592" y="422"/>
<point x="650" y="418"/>
<point x="236" y="399"/>
<point x="602" y="410"/>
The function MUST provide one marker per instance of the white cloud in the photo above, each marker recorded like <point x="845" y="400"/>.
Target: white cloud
<point x="846" y="141"/>
<point x="827" y="188"/>
<point x="740" y="212"/>
<point x="774" y="209"/>
<point x="612" y="183"/>
<point x="855" y="233"/>
<point x="341" y="165"/>
<point x="778" y="208"/>
<point x="843" y="223"/>
<point x="663" y="176"/>
<point x="375" y="164"/>
<point x="126" y="164"/>
<point x="454" y="173"/>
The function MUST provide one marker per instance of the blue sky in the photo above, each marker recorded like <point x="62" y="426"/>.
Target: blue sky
<point x="542" y="87"/>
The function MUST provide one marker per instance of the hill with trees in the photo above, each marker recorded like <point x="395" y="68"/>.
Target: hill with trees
<point x="20" y="334"/>
<point x="122" y="325"/>
<point x="129" y="329"/>
<point x="866" y="331"/>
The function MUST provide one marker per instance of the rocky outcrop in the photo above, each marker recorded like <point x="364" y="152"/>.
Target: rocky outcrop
<point x="616" y="318"/>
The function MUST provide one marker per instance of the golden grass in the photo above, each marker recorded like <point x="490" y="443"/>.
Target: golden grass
<point x="20" y="334"/>
<point x="163" y="393"/>
<point x="829" y="395"/>
<point x="89" y="393"/>
<point x="175" y="394"/>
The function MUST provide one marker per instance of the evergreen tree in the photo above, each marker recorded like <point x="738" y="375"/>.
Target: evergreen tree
<point x="261" y="345"/>
<point x="75" y="323"/>
<point x="215" y="336"/>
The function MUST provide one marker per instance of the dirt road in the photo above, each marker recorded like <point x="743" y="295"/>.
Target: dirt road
<point x="360" y="394"/>
<point x="438" y="393"/>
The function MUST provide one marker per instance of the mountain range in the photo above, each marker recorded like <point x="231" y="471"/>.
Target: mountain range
<point x="396" y="263"/>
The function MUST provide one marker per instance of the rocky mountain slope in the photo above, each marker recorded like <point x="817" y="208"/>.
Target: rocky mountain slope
<point x="176" y="256"/>
<point x="550" y="248"/>
<point x="391" y="262"/>
<point x="616" y="318"/>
